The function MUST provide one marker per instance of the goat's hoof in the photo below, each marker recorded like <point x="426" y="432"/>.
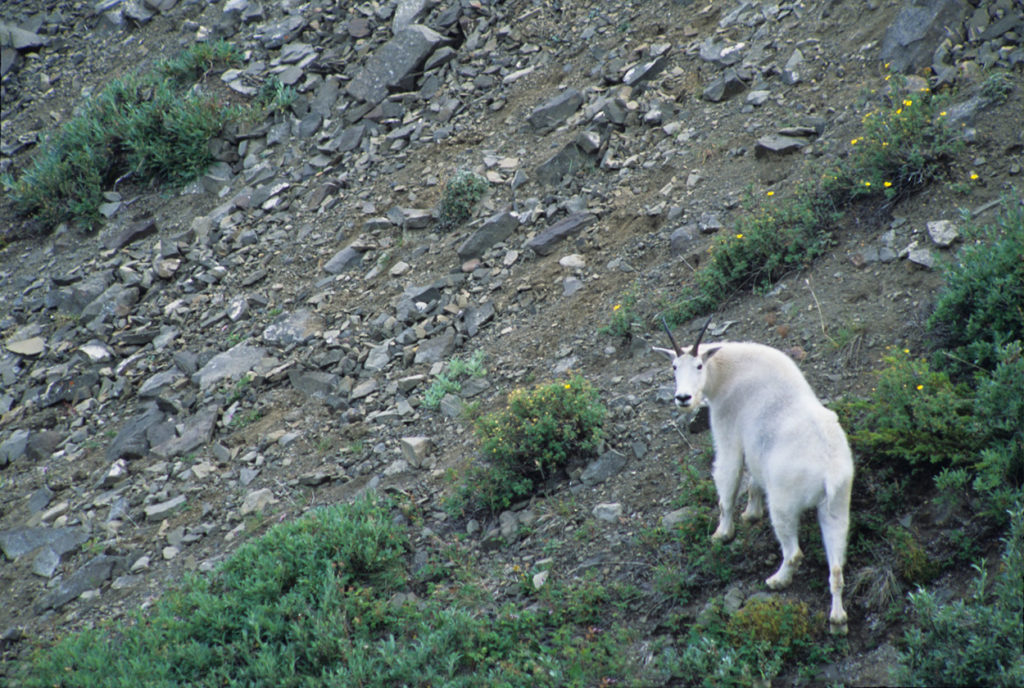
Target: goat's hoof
<point x="723" y="535"/>
<point x="751" y="516"/>
<point x="838" y="627"/>
<point x="778" y="582"/>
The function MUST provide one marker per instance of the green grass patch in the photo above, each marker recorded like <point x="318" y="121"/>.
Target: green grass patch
<point x="450" y="380"/>
<point x="905" y="145"/>
<point x="146" y="128"/>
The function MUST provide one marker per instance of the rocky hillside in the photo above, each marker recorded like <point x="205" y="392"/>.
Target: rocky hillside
<point x="219" y="358"/>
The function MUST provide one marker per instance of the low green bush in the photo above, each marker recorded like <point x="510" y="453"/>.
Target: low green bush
<point x="981" y="306"/>
<point x="143" y="128"/>
<point x="773" y="238"/>
<point x="978" y="641"/>
<point x="461" y="193"/>
<point x="905" y="145"/>
<point x="538" y="433"/>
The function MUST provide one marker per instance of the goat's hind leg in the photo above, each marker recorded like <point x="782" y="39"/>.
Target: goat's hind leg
<point x="755" y="502"/>
<point x="834" y="520"/>
<point x="785" y="522"/>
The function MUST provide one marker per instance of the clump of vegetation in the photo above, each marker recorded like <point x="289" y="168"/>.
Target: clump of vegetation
<point x="976" y="641"/>
<point x="748" y="648"/>
<point x="624" y="316"/>
<point x="449" y="382"/>
<point x="911" y="560"/>
<point x="981" y="307"/>
<point x="770" y="240"/>
<point x="906" y="145"/>
<point x="461" y="194"/>
<point x="199" y="60"/>
<point x="149" y="127"/>
<point x="326" y="600"/>
<point x="524" y="445"/>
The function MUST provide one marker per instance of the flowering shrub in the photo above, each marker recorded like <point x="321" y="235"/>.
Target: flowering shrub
<point x="532" y="440"/>
<point x="905" y="146"/>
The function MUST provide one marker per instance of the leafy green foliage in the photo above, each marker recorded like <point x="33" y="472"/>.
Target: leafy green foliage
<point x="531" y="440"/>
<point x="450" y="381"/>
<point x="915" y="417"/>
<point x="749" y="647"/>
<point x="906" y="145"/>
<point x="147" y="128"/>
<point x="981" y="306"/>
<point x="624" y="316"/>
<point x="461" y="193"/>
<point x="977" y="641"/>
<point x="198" y="60"/>
<point x="773" y="238"/>
<point x="911" y="560"/>
<point x="321" y="601"/>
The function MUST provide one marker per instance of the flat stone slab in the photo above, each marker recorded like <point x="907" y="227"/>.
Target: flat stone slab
<point x="20" y="541"/>
<point x="393" y="63"/>
<point x="198" y="431"/>
<point x="229" y="365"/>
<point x="545" y="242"/>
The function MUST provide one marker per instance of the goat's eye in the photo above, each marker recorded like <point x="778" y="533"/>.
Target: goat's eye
<point x="700" y="366"/>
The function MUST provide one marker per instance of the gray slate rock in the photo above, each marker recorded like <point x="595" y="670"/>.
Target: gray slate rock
<point x="393" y="64"/>
<point x="198" y="430"/>
<point x="553" y="113"/>
<point x="293" y="328"/>
<point x="345" y="260"/>
<point x="566" y="161"/>
<point x="13" y="448"/>
<point x="726" y="86"/>
<point x="230" y="364"/>
<point x="132" y="233"/>
<point x="21" y="541"/>
<point x="545" y="242"/>
<point x="91" y="576"/>
<point x="436" y="348"/>
<point x="496" y="228"/>
<point x="132" y="441"/>
<point x="919" y="28"/>
<point x="604" y="467"/>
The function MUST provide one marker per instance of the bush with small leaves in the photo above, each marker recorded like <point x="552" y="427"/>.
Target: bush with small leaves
<point x="461" y="193"/>
<point x="536" y="436"/>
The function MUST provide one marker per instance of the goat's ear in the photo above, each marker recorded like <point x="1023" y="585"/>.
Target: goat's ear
<point x="668" y="352"/>
<point x="709" y="353"/>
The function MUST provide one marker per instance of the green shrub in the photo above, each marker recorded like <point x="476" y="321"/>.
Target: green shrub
<point x="532" y="439"/>
<point x="199" y="59"/>
<point x="772" y="238"/>
<point x="911" y="560"/>
<point x="977" y="641"/>
<point x="146" y="128"/>
<point x="461" y="193"/>
<point x="905" y="146"/>
<point x="449" y="381"/>
<point x="981" y="306"/>
<point x="624" y="316"/>
<point x="999" y="403"/>
<point x="915" y="417"/>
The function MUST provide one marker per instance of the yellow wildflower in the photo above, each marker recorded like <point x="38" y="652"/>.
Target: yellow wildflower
<point x="887" y="184"/>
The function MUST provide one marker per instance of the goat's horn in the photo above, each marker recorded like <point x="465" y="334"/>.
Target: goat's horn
<point x="693" y="352"/>
<point x="679" y="352"/>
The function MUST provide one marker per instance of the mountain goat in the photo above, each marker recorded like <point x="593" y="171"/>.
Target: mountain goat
<point x="764" y="414"/>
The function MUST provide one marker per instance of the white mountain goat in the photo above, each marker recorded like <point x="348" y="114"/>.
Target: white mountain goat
<point x="764" y="414"/>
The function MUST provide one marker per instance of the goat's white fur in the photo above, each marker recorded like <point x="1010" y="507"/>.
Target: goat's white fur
<point x="764" y="414"/>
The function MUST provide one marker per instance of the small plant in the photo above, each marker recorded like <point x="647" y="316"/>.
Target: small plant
<point x="977" y="641"/>
<point x="239" y="389"/>
<point x="998" y="85"/>
<point x="461" y="193"/>
<point x="274" y="96"/>
<point x="532" y="440"/>
<point x="916" y="417"/>
<point x="199" y="59"/>
<point x="912" y="562"/>
<point x="773" y="238"/>
<point x="624" y="316"/>
<point x="146" y="128"/>
<point x="246" y="419"/>
<point x="448" y="382"/>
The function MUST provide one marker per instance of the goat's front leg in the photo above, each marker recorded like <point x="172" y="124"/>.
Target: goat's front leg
<point x="726" y="473"/>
